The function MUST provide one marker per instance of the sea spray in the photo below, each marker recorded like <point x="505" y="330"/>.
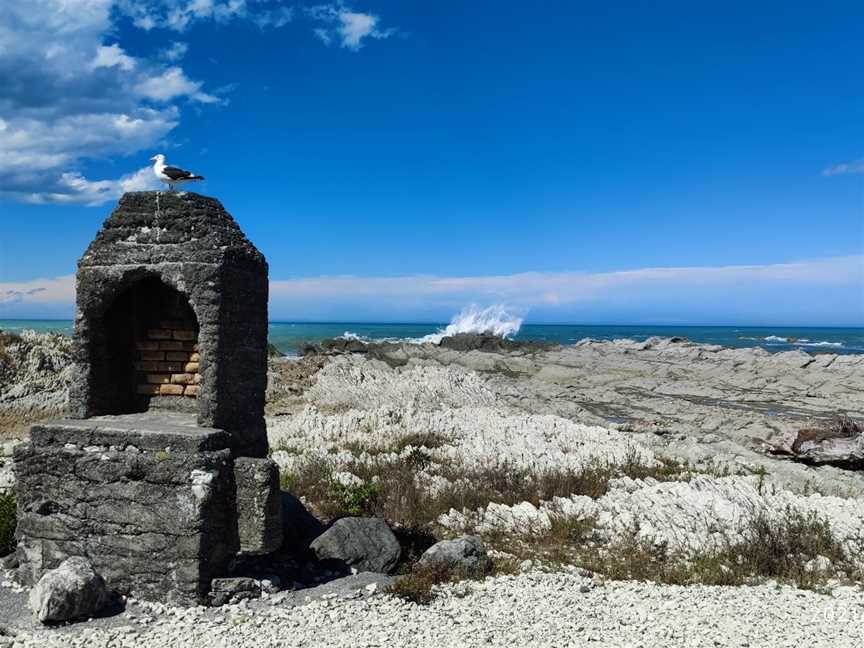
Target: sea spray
<point x="492" y="320"/>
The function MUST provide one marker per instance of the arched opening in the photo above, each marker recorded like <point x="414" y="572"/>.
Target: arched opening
<point x="149" y="357"/>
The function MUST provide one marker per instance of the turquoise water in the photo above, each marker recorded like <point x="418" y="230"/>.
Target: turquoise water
<point x="289" y="336"/>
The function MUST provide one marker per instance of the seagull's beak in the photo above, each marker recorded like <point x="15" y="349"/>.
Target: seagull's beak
<point x="153" y="159"/>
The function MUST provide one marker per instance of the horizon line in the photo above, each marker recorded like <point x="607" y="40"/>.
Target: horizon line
<point x="524" y="323"/>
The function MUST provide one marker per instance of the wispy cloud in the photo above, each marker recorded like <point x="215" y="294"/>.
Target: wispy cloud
<point x="176" y="51"/>
<point x="821" y="291"/>
<point x="57" y="291"/>
<point x="347" y="27"/>
<point x="845" y="168"/>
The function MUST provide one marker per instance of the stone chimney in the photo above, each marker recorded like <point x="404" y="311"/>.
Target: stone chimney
<point x="172" y="314"/>
<point x="159" y="478"/>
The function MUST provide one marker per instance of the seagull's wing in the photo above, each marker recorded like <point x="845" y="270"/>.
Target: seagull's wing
<point x="176" y="174"/>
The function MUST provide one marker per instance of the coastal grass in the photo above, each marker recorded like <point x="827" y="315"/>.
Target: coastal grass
<point x="410" y="486"/>
<point x="396" y="480"/>
<point x="418" y="586"/>
<point x="421" y="584"/>
<point x="794" y="548"/>
<point x="6" y="364"/>
<point x="393" y="484"/>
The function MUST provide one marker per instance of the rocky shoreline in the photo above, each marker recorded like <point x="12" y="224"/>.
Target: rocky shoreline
<point x="664" y="446"/>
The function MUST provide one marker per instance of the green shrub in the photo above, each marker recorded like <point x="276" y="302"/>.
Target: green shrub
<point x="356" y="500"/>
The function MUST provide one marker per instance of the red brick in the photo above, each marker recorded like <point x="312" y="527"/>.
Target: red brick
<point x="150" y="390"/>
<point x="171" y="390"/>
<point x="170" y="345"/>
<point x="177" y="356"/>
<point x="158" y="378"/>
<point x="152" y="355"/>
<point x="184" y="335"/>
<point x="159" y="334"/>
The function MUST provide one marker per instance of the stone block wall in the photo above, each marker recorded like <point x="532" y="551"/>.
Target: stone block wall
<point x="152" y="504"/>
<point x="259" y="505"/>
<point x="167" y="360"/>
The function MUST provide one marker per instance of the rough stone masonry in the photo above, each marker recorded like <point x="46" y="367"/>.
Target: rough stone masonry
<point x="159" y="478"/>
<point x="165" y="256"/>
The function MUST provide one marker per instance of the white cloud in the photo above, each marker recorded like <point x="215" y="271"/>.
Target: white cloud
<point x="531" y="288"/>
<point x="96" y="192"/>
<point x="355" y="27"/>
<point x="175" y="52"/>
<point x="113" y="56"/>
<point x="348" y="26"/>
<point x="845" y="168"/>
<point x="59" y="290"/>
<point x="180" y="15"/>
<point x="68" y="97"/>
<point x="819" y="292"/>
<point x="323" y="34"/>
<point x="171" y="84"/>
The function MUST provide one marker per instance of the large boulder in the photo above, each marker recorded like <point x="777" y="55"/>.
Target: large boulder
<point x="839" y="443"/>
<point x="72" y="591"/>
<point x="364" y="544"/>
<point x="464" y="554"/>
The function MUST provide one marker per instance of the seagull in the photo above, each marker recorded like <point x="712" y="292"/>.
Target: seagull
<point x="171" y="175"/>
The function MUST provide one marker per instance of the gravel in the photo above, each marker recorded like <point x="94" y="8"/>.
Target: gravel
<point x="535" y="608"/>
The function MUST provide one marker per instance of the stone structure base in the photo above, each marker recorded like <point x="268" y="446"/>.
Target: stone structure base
<point x="149" y="499"/>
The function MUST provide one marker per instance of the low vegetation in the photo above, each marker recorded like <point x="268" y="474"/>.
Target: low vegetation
<point x="391" y="486"/>
<point x="7" y="523"/>
<point x="411" y="486"/>
<point x="6" y="368"/>
<point x="794" y="548"/>
<point x="419" y="586"/>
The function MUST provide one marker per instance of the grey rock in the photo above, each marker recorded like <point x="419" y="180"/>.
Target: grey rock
<point x="233" y="590"/>
<point x="10" y="561"/>
<point x="270" y="584"/>
<point x="365" y="544"/>
<point x="72" y="591"/>
<point x="831" y="445"/>
<point x="492" y="343"/>
<point x="300" y="527"/>
<point x="465" y="554"/>
<point x="35" y="370"/>
<point x="259" y="505"/>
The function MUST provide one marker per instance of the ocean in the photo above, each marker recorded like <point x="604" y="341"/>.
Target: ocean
<point x="288" y="337"/>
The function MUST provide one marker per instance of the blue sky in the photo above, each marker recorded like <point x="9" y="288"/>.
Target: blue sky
<point x="579" y="161"/>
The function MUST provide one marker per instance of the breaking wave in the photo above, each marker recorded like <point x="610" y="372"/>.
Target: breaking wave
<point x="493" y="320"/>
<point x="803" y="342"/>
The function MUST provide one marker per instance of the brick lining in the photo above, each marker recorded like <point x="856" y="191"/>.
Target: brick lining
<point x="167" y="361"/>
